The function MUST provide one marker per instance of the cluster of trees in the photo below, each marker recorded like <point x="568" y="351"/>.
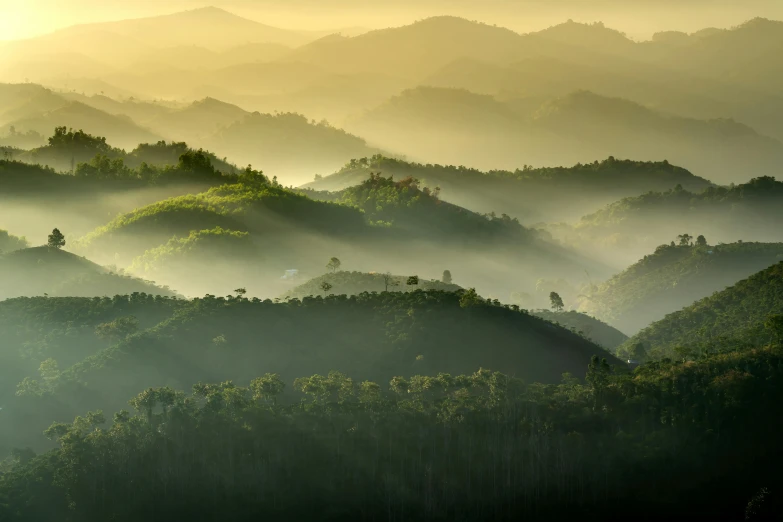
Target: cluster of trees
<point x="657" y="443"/>
<point x="409" y="207"/>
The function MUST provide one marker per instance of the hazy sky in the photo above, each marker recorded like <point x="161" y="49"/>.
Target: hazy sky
<point x="639" y="18"/>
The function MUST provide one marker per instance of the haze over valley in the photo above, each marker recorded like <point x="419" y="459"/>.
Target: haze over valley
<point x="427" y="260"/>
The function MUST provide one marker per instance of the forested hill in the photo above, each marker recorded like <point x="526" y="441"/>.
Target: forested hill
<point x="380" y="225"/>
<point x="628" y="228"/>
<point x="45" y="270"/>
<point x="597" y="331"/>
<point x="532" y="194"/>
<point x="674" y="277"/>
<point x="367" y="336"/>
<point x="42" y="335"/>
<point x="67" y="149"/>
<point x="370" y="450"/>
<point x="352" y="283"/>
<point x="745" y="315"/>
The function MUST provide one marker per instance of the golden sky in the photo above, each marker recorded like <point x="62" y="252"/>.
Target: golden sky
<point x="639" y="18"/>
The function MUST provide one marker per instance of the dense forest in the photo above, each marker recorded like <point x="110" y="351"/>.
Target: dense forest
<point x="532" y="194"/>
<point x="486" y="265"/>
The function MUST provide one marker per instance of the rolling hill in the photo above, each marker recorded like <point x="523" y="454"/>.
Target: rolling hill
<point x="376" y="226"/>
<point x="44" y="270"/>
<point x="631" y="226"/>
<point x="198" y="121"/>
<point x="455" y="126"/>
<point x="120" y="130"/>
<point x="672" y="278"/>
<point x="599" y="332"/>
<point x="353" y="283"/>
<point x="530" y="194"/>
<point x="738" y="317"/>
<point x="287" y="145"/>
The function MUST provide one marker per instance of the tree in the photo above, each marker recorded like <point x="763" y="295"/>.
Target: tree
<point x="388" y="280"/>
<point x="333" y="264"/>
<point x="446" y="277"/>
<point x="638" y="353"/>
<point x="685" y="239"/>
<point x="556" y="301"/>
<point x="240" y="292"/>
<point x="412" y="280"/>
<point x="326" y="286"/>
<point x="118" y="329"/>
<point x="469" y="298"/>
<point x="56" y="239"/>
<point x="701" y="241"/>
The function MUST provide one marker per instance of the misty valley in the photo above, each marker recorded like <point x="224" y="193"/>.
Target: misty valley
<point x="441" y="270"/>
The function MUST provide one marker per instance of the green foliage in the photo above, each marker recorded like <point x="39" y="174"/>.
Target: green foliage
<point x="393" y="447"/>
<point x="548" y="193"/>
<point x="200" y="243"/>
<point x="225" y="211"/>
<point x="413" y="209"/>
<point x="673" y="277"/>
<point x="50" y="270"/>
<point x="333" y="264"/>
<point x="743" y="316"/>
<point x="556" y="301"/>
<point x="56" y="239"/>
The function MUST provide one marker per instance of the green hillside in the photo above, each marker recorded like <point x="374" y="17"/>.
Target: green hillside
<point x="250" y="205"/>
<point x="532" y="194"/>
<point x="599" y="332"/>
<point x="362" y="449"/>
<point x="352" y="283"/>
<point x="62" y="329"/>
<point x="674" y="277"/>
<point x="44" y="270"/>
<point x="745" y="315"/>
<point x="367" y="336"/>
<point x="634" y="225"/>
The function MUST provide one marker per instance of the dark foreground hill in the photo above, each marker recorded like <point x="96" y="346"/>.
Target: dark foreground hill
<point x="480" y="443"/>
<point x="745" y="315"/>
<point x="674" y="277"/>
<point x="368" y="336"/>
<point x="44" y="270"/>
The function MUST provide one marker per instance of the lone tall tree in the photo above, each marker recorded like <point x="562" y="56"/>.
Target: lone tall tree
<point x="333" y="264"/>
<point x="556" y="301"/>
<point x="56" y="239"/>
<point x="446" y="277"/>
<point x="388" y="280"/>
<point x="685" y="239"/>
